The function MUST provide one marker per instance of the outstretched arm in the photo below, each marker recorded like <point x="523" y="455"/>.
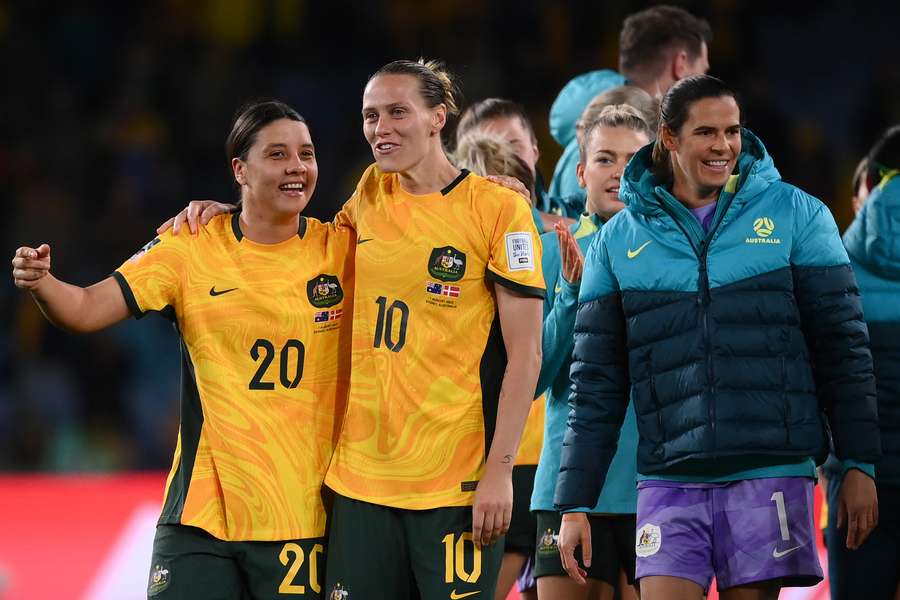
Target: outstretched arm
<point x="70" y="307"/>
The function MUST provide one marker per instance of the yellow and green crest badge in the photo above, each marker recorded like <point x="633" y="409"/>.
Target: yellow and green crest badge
<point x="338" y="593"/>
<point x="324" y="291"/>
<point x="447" y="264"/>
<point x="159" y="580"/>
<point x="549" y="542"/>
<point x="763" y="227"/>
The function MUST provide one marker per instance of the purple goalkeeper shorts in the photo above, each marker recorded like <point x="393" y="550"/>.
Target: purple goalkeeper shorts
<point x="742" y="532"/>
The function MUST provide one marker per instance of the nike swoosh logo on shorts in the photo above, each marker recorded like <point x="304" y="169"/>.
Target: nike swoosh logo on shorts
<point x="633" y="253"/>
<point x="363" y="240"/>
<point x="214" y="292"/>
<point x="777" y="554"/>
<point x="455" y="596"/>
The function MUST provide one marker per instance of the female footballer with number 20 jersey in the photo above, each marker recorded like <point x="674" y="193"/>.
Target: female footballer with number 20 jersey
<point x="722" y="299"/>
<point x="258" y="298"/>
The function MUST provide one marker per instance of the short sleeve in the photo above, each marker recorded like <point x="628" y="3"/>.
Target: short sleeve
<point x="515" y="246"/>
<point x="151" y="279"/>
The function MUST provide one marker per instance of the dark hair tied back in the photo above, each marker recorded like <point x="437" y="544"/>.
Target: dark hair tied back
<point x="674" y="110"/>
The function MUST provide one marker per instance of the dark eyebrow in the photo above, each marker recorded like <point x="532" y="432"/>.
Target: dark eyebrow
<point x="281" y="145"/>
<point x="366" y="109"/>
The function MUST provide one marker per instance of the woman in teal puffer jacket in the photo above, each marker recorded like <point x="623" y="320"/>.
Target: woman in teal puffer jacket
<point x="873" y="243"/>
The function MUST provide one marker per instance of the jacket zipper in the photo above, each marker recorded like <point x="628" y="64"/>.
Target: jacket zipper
<point x="703" y="300"/>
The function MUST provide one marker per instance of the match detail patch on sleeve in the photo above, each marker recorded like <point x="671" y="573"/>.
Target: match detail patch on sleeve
<point x="520" y="251"/>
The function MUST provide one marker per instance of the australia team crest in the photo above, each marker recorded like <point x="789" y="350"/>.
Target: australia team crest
<point x="324" y="291"/>
<point x="447" y="264"/>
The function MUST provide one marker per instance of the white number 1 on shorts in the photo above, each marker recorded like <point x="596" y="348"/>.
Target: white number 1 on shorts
<point x="778" y="498"/>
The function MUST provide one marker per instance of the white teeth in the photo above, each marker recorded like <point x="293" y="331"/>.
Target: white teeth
<point x="293" y="186"/>
<point x="385" y="146"/>
<point x="716" y="163"/>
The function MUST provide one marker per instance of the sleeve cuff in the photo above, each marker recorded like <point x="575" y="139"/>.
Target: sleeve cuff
<point x="580" y="509"/>
<point x="525" y="290"/>
<point x="130" y="300"/>
<point x="867" y="468"/>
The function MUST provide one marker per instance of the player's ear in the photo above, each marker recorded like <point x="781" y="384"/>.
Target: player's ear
<point x="239" y="169"/>
<point x="438" y="119"/>
<point x="579" y="173"/>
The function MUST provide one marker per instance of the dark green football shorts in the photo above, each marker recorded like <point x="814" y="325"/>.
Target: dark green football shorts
<point x="190" y="564"/>
<point x="382" y="553"/>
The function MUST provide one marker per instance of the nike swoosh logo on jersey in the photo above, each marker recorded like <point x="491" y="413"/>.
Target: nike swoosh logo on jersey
<point x="777" y="554"/>
<point x="455" y="596"/>
<point x="361" y="241"/>
<point x="214" y="292"/>
<point x="633" y="253"/>
<point x="557" y="289"/>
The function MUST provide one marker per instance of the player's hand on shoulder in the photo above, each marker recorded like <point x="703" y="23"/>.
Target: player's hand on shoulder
<point x="511" y="183"/>
<point x="197" y="212"/>
<point x="492" y="509"/>
<point x="575" y="531"/>
<point x="857" y="507"/>
<point x="30" y="266"/>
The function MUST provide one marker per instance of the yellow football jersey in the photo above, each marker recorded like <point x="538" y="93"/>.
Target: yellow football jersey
<point x="428" y="354"/>
<point x="265" y="344"/>
<point x="532" y="435"/>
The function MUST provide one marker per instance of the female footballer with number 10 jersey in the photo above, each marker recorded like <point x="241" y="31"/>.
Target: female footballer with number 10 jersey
<point x="258" y="298"/>
<point x="446" y="353"/>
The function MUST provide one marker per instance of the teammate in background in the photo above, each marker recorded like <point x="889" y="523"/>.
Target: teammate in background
<point x="743" y="323"/>
<point x="487" y="154"/>
<point x="657" y="47"/>
<point x="258" y="299"/>
<point x="646" y="105"/>
<point x="446" y="353"/>
<point x="873" y="243"/>
<point x="508" y="120"/>
<point x="609" y="141"/>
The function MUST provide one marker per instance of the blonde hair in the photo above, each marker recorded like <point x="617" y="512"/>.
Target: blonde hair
<point x="436" y="84"/>
<point x="488" y="154"/>
<point x="617" y="115"/>
<point x="644" y="103"/>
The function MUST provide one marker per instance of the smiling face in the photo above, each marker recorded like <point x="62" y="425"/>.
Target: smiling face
<point x="706" y="148"/>
<point x="608" y="150"/>
<point x="280" y="171"/>
<point x="399" y="126"/>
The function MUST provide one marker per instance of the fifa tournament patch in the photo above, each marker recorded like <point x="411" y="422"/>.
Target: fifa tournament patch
<point x="159" y="580"/>
<point x="519" y="251"/>
<point x="324" y="291"/>
<point x="146" y="248"/>
<point x="338" y="592"/>
<point x="549" y="543"/>
<point x="649" y="540"/>
<point x="468" y="486"/>
<point x="439" y="289"/>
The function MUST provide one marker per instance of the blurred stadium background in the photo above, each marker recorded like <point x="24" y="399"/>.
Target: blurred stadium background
<point x="114" y="116"/>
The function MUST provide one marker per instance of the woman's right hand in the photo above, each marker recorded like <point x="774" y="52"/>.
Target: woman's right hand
<point x="198" y="212"/>
<point x="30" y="266"/>
<point x="575" y="531"/>
<point x="570" y="253"/>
